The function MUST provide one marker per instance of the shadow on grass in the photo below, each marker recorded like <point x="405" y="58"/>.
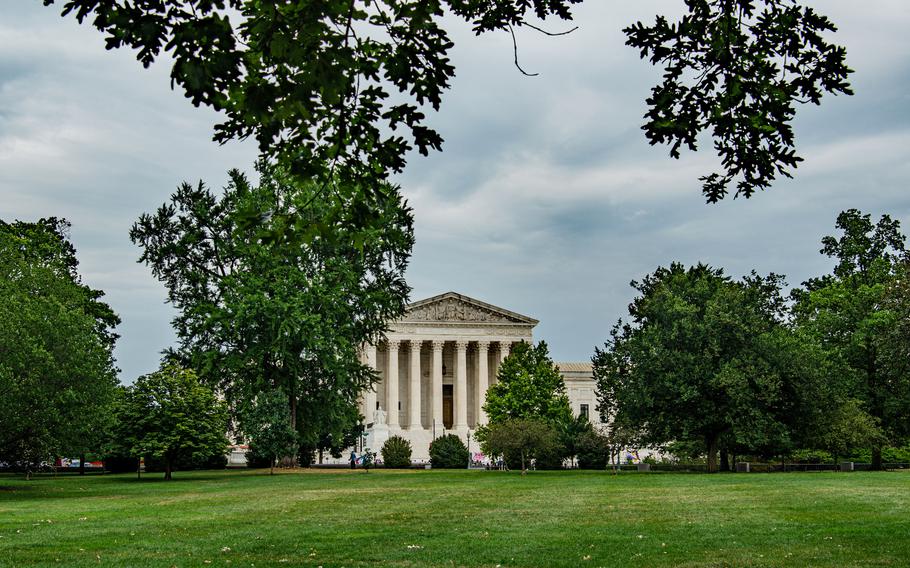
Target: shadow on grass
<point x="178" y="478"/>
<point x="46" y="486"/>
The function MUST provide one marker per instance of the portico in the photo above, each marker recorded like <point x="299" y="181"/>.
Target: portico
<point x="436" y="365"/>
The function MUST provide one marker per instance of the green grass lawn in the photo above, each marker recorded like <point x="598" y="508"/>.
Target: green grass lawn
<point x="457" y="518"/>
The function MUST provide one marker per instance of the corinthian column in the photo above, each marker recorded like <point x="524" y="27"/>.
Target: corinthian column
<point x="414" y="387"/>
<point x="391" y="386"/>
<point x="437" y="384"/>
<point x="461" y="385"/>
<point x="483" y="380"/>
<point x="369" y="399"/>
<point x="504" y="348"/>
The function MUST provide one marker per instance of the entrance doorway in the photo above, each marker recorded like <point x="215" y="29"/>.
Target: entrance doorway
<point x="447" y="406"/>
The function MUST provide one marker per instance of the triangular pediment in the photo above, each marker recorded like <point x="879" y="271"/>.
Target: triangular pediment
<point x="454" y="308"/>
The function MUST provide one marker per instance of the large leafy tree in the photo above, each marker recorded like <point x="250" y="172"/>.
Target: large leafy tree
<point x="57" y="372"/>
<point x="894" y="345"/>
<point x="708" y="358"/>
<point x="170" y="415"/>
<point x="528" y="385"/>
<point x="856" y="312"/>
<point x="338" y="89"/>
<point x="258" y="313"/>
<point x="267" y="425"/>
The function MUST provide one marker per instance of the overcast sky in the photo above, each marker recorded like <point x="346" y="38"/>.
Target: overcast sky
<point x="546" y="200"/>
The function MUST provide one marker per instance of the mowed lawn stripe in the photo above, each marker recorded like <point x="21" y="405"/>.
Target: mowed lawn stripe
<point x="457" y="518"/>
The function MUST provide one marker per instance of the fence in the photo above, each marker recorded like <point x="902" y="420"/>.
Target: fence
<point x="758" y="467"/>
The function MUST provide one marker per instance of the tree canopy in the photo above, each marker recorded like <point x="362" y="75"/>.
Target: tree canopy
<point x="57" y="372"/>
<point x="528" y="385"/>
<point x="267" y="426"/>
<point x="338" y="90"/>
<point x="520" y="440"/>
<point x="708" y="358"/>
<point x="170" y="415"/>
<point x="258" y="313"/>
<point x="855" y="312"/>
<point x="736" y="69"/>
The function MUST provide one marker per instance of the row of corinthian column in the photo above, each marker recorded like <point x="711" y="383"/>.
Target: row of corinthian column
<point x="460" y="390"/>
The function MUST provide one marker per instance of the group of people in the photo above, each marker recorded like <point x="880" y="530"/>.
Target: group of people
<point x="365" y="459"/>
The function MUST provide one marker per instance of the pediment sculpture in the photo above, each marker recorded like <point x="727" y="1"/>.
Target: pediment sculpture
<point x="452" y="309"/>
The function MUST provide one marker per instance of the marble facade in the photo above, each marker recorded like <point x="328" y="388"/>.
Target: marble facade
<point x="436" y="364"/>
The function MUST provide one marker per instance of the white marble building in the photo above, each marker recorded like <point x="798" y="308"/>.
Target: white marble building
<point x="436" y="365"/>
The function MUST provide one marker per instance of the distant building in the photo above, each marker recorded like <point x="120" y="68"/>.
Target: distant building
<point x="436" y="365"/>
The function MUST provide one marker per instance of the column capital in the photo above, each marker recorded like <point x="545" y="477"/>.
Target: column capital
<point x="393" y="344"/>
<point x="461" y="343"/>
<point x="483" y="345"/>
<point x="416" y="343"/>
<point x="438" y="344"/>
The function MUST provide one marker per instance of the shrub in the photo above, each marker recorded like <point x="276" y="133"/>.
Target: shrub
<point x="449" y="452"/>
<point x="593" y="451"/>
<point x="811" y="456"/>
<point x="396" y="452"/>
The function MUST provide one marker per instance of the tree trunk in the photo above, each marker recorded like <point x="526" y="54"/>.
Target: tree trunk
<point x="524" y="470"/>
<point x="292" y="401"/>
<point x="82" y="464"/>
<point x="167" y="468"/>
<point x="293" y="407"/>
<point x="138" y="468"/>
<point x="711" y="443"/>
<point x="724" y="461"/>
<point x="320" y="456"/>
<point x="272" y="465"/>
<point x="877" y="459"/>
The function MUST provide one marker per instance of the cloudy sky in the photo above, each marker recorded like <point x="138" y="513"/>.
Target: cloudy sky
<point x="547" y="199"/>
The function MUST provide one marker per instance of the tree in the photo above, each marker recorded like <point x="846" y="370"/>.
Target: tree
<point x="338" y="425"/>
<point x="594" y="450"/>
<point x="855" y="314"/>
<point x="736" y="68"/>
<point x="519" y="440"/>
<point x="528" y="385"/>
<point x="848" y="429"/>
<point x="571" y="434"/>
<point x="894" y="349"/>
<point x="708" y="358"/>
<point x="258" y="313"/>
<point x="57" y="371"/>
<point x="311" y="81"/>
<point x="170" y="415"/>
<point x="267" y="424"/>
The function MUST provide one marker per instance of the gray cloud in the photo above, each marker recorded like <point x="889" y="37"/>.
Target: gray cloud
<point x="546" y="200"/>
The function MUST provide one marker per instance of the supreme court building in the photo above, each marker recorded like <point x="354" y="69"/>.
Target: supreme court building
<point x="436" y="364"/>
